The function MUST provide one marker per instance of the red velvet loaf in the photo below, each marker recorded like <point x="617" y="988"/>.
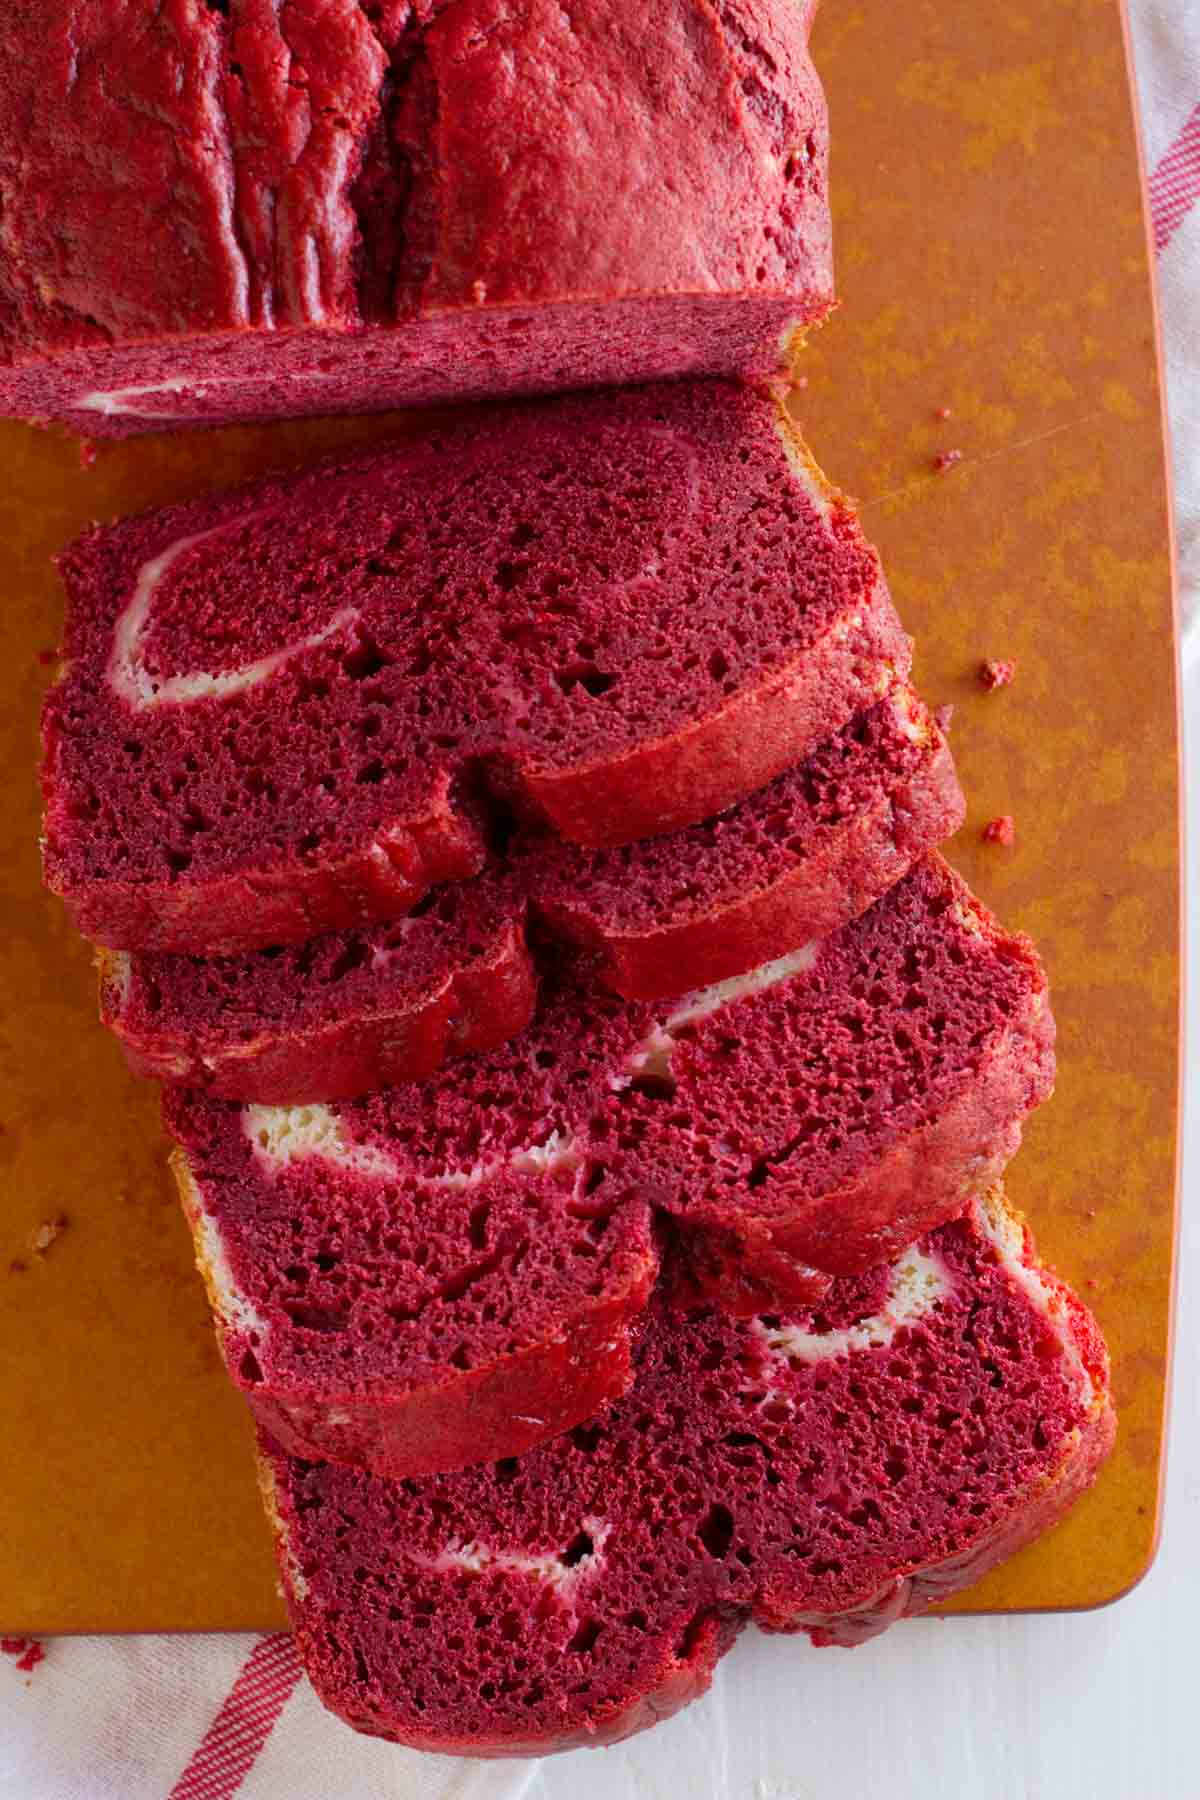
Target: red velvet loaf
<point x="358" y="1010"/>
<point x="616" y="614"/>
<point x="823" y="1472"/>
<point x="796" y="1124"/>
<point x="266" y="208"/>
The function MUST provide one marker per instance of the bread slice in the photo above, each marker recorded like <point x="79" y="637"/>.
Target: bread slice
<point x="796" y="860"/>
<point x="380" y="1259"/>
<point x="358" y="1010"/>
<point x="337" y="1016"/>
<point x="826" y="1472"/>
<point x="614" y="614"/>
<point x="828" y="1118"/>
<point x="411" y="1323"/>
<point x="367" y="206"/>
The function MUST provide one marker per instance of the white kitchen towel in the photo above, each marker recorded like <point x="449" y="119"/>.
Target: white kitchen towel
<point x="1166" y="43"/>
<point x="207" y="1718"/>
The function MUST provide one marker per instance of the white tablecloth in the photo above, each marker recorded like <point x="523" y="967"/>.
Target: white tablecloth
<point x="1095" y="1707"/>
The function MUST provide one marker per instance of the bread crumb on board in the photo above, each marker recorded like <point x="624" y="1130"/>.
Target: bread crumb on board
<point x="1000" y="830"/>
<point x="47" y="1233"/>
<point x="28" y="1652"/>
<point x="996" y="672"/>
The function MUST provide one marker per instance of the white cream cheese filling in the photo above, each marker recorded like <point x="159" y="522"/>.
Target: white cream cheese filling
<point x="479" y="1558"/>
<point x="918" y="1283"/>
<point x="653" y="1054"/>
<point x="138" y="688"/>
<point x="284" y="1135"/>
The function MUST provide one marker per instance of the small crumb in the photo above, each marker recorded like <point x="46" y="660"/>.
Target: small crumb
<point x="800" y="381"/>
<point x="88" y="452"/>
<point x="943" y="718"/>
<point x="996" y="673"/>
<point x="943" y="412"/>
<point x="1090" y="1281"/>
<point x="48" y="1233"/>
<point x="17" y="1266"/>
<point x="999" y="831"/>
<point x="946" y="459"/>
<point x="47" y="657"/>
<point x="479" y="292"/>
<point x="28" y="1652"/>
<point x="1090" y="1213"/>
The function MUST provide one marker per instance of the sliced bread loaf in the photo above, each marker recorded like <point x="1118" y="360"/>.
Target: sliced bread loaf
<point x="826" y="1472"/>
<point x="799" y="1123"/>
<point x="358" y="1010"/>
<point x="359" y="206"/>
<point x="614" y="614"/>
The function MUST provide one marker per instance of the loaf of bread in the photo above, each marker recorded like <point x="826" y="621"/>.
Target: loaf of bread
<point x="333" y="1017"/>
<point x="515" y="849"/>
<point x="254" y="210"/>
<point x="826" y="1472"/>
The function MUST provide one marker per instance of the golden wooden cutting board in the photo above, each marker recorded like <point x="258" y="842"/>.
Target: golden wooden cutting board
<point x="992" y="261"/>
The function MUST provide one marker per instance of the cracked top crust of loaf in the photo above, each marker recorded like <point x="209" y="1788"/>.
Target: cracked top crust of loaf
<point x="262" y="209"/>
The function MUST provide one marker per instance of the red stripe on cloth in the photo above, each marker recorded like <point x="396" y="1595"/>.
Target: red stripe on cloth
<point x="1175" y="183"/>
<point x="233" y="1741"/>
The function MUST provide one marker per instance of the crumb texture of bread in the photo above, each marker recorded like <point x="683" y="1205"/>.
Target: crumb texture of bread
<point x="356" y="1010"/>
